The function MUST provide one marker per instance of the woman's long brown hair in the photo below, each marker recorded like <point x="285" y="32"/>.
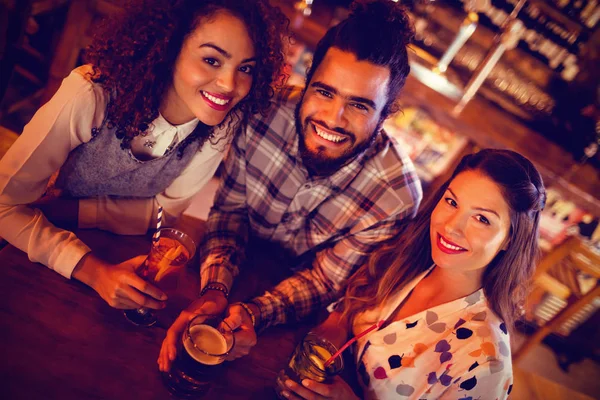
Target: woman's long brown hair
<point x="409" y="254"/>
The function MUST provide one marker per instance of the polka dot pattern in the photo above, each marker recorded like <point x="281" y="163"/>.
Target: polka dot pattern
<point x="458" y="350"/>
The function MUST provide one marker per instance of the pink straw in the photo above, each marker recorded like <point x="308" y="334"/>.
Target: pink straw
<point x="349" y="342"/>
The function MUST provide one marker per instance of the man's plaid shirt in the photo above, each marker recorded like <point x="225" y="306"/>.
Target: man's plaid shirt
<point x="267" y="192"/>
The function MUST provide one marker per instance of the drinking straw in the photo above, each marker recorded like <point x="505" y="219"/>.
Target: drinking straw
<point x="156" y="235"/>
<point x="349" y="342"/>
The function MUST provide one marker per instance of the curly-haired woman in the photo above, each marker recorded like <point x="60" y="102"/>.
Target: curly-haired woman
<point x="443" y="295"/>
<point x="144" y="124"/>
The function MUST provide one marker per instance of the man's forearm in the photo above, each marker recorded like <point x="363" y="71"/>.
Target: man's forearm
<point x="217" y="269"/>
<point x="223" y="249"/>
<point x="293" y="299"/>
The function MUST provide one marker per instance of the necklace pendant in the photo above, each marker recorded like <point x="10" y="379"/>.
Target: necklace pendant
<point x="149" y="143"/>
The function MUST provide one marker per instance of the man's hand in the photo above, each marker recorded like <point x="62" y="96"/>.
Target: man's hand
<point x="213" y="302"/>
<point x="118" y="284"/>
<point x="311" y="390"/>
<point x="245" y="337"/>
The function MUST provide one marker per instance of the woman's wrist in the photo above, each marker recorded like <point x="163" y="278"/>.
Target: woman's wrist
<point x="88" y="269"/>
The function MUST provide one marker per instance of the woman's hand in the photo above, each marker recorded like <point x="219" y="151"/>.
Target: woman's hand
<point x="118" y="284"/>
<point x="213" y="302"/>
<point x="311" y="390"/>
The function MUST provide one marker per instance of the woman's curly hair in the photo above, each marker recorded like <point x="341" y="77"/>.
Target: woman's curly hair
<point x="134" y="57"/>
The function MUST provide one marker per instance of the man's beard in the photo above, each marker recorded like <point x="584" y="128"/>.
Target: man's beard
<point x="318" y="163"/>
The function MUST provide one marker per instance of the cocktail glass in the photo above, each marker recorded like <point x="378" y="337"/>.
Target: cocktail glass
<point x="308" y="362"/>
<point x="162" y="267"/>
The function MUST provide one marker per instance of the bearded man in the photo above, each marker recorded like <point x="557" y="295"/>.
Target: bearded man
<point x="317" y="176"/>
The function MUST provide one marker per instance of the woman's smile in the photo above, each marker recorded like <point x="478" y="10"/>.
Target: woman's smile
<point x="449" y="247"/>
<point x="475" y="215"/>
<point x="217" y="101"/>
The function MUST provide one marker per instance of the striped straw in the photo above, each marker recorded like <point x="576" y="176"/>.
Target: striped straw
<point x="156" y="236"/>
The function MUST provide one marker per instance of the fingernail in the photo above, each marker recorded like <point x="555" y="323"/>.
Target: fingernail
<point x="285" y="394"/>
<point x="289" y="384"/>
<point x="305" y="382"/>
<point x="164" y="297"/>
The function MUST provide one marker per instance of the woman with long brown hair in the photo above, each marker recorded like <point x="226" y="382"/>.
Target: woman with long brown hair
<point x="144" y="125"/>
<point x="445" y="293"/>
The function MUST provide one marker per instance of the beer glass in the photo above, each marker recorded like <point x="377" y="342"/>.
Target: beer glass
<point x="162" y="267"/>
<point x="308" y="362"/>
<point x="205" y="343"/>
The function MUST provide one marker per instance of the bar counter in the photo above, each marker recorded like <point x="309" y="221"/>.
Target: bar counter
<point x="60" y="340"/>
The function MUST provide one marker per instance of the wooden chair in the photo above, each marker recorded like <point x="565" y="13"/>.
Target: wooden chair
<point x="64" y="54"/>
<point x="556" y="274"/>
<point x="23" y="63"/>
<point x="13" y="19"/>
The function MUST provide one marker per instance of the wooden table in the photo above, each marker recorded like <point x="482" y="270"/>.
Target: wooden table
<point x="60" y="340"/>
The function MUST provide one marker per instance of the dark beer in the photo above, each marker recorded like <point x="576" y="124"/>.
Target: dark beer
<point x="203" y="347"/>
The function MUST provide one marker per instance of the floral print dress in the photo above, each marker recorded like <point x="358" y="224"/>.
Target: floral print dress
<point x="457" y="350"/>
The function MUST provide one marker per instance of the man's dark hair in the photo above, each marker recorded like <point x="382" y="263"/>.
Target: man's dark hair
<point x="376" y="31"/>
